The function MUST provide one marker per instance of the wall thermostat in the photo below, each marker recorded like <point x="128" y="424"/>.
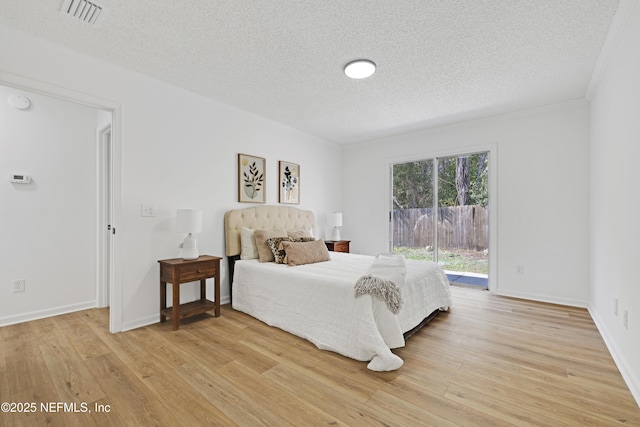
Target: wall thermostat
<point x="20" y="179"/>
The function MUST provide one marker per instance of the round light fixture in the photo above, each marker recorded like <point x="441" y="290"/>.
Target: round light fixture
<point x="360" y="69"/>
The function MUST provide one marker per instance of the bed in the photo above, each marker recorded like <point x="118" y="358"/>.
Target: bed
<point x="317" y="301"/>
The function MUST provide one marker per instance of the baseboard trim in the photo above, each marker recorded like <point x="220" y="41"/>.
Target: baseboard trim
<point x="544" y="298"/>
<point x="49" y="312"/>
<point x="618" y="358"/>
<point x="141" y="322"/>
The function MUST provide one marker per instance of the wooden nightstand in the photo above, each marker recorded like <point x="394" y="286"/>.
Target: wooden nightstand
<point x="338" y="245"/>
<point x="178" y="271"/>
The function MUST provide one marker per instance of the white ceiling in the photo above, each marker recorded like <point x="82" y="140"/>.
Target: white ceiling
<point x="439" y="61"/>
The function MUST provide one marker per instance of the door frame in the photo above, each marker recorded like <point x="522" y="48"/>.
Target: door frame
<point x="58" y="92"/>
<point x="104" y="266"/>
<point x="492" y="150"/>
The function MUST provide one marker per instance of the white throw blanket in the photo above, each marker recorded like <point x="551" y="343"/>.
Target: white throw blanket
<point x="383" y="281"/>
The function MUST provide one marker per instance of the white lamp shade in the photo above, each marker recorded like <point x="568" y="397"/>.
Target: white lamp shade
<point x="335" y="220"/>
<point x="189" y="221"/>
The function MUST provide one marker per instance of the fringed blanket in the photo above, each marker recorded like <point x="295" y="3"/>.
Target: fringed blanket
<point x="383" y="279"/>
<point x="382" y="282"/>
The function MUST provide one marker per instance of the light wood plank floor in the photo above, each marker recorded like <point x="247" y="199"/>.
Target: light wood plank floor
<point x="489" y="361"/>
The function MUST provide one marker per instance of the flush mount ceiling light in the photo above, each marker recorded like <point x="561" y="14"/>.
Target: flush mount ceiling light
<point x="360" y="69"/>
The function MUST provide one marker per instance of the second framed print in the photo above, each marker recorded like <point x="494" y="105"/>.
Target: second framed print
<point x="251" y="179"/>
<point x="289" y="183"/>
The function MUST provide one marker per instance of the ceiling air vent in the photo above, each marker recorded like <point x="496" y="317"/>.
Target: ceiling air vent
<point x="84" y="10"/>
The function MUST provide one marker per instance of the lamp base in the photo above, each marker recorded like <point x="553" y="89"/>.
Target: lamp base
<point x="335" y="235"/>
<point x="189" y="248"/>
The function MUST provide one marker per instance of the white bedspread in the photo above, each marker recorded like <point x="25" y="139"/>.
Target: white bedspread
<point x="317" y="302"/>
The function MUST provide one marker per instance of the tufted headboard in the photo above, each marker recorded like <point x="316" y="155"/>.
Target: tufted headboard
<point x="264" y="218"/>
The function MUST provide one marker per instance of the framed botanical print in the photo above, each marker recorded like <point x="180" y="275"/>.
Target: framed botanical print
<point x="251" y="179"/>
<point x="289" y="183"/>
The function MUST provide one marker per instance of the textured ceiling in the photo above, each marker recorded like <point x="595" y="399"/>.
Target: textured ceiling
<point x="439" y="61"/>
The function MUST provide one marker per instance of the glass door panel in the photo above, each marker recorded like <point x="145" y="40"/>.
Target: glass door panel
<point x="412" y="213"/>
<point x="463" y="218"/>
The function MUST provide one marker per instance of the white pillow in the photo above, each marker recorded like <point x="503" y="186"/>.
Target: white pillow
<point x="248" y="244"/>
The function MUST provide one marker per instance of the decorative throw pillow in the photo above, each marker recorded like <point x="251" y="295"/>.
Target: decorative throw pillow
<point x="300" y="253"/>
<point x="296" y="234"/>
<point x="248" y="244"/>
<point x="303" y="239"/>
<point x="274" y="244"/>
<point x="261" y="236"/>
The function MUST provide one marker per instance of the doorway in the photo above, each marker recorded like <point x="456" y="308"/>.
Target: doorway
<point x="108" y="285"/>
<point x="440" y="212"/>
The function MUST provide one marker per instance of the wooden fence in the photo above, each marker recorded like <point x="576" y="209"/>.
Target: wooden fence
<point x="459" y="227"/>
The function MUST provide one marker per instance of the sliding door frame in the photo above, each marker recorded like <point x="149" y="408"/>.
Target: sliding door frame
<point x="492" y="152"/>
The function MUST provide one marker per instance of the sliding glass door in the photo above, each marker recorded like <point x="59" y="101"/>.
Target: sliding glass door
<point x="440" y="213"/>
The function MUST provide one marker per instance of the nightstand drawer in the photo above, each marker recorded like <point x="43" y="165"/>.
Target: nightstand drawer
<point x="197" y="271"/>
<point x="188" y="272"/>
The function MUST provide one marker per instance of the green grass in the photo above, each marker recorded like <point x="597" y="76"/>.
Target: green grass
<point x="455" y="260"/>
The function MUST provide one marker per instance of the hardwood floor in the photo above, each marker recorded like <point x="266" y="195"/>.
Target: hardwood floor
<point x="489" y="361"/>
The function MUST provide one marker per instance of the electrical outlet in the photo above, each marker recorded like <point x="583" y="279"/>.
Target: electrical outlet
<point x="148" y="210"/>
<point x="615" y="306"/>
<point x="520" y="269"/>
<point x="18" y="285"/>
<point x="625" y="319"/>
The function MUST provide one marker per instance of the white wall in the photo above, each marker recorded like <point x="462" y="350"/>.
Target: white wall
<point x="179" y="150"/>
<point x="49" y="223"/>
<point x="615" y="229"/>
<point x="542" y="195"/>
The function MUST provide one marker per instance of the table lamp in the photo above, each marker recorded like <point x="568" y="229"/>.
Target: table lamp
<point x="335" y="221"/>
<point x="189" y="221"/>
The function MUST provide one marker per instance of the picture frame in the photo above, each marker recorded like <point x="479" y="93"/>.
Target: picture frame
<point x="289" y="183"/>
<point x="252" y="179"/>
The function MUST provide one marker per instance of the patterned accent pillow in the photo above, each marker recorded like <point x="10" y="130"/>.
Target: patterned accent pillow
<point x="274" y="245"/>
